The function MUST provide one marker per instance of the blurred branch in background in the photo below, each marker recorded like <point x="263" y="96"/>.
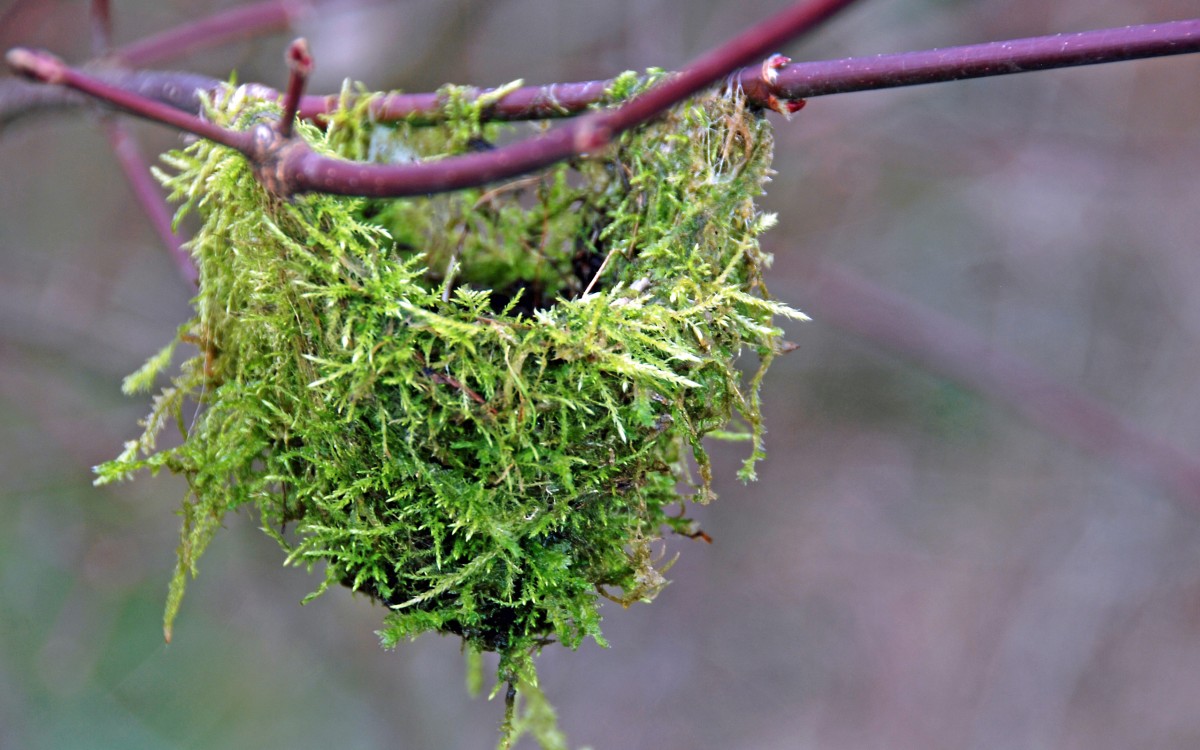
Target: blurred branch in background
<point x="240" y="22"/>
<point x="149" y="196"/>
<point x="146" y="190"/>
<point x="947" y="348"/>
<point x="101" y="17"/>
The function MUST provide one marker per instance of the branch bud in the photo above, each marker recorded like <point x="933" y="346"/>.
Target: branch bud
<point x="299" y="61"/>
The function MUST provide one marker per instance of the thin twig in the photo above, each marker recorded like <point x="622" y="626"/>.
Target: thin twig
<point x="20" y="99"/>
<point x="552" y="101"/>
<point x="46" y="68"/>
<point x="982" y="60"/>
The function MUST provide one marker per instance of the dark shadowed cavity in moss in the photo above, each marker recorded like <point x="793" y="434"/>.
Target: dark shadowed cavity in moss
<point x="478" y="409"/>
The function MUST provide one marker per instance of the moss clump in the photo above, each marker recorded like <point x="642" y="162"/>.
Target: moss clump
<point x="474" y="408"/>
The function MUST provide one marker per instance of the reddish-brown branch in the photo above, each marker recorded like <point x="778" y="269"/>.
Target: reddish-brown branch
<point x="300" y="170"/>
<point x="311" y="173"/>
<point x="796" y="81"/>
<point x="295" y="168"/>
<point x="19" y="98"/>
<point x="751" y="46"/>
<point x="526" y="103"/>
<point x="811" y="79"/>
<point x="288" y="166"/>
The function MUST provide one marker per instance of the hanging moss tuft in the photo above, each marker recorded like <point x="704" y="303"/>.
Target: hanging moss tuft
<point x="475" y="408"/>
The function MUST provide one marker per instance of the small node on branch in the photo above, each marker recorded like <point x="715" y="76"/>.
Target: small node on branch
<point x="770" y="76"/>
<point x="38" y="66"/>
<point x="771" y="66"/>
<point x="591" y="135"/>
<point x="300" y="65"/>
<point x="270" y="150"/>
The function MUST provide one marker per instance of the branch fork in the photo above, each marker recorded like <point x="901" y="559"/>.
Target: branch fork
<point x="286" y="166"/>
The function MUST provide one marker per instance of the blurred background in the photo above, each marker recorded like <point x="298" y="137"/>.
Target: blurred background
<point x="978" y="523"/>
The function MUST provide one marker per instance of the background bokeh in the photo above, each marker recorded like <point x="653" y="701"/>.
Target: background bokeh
<point x="926" y="562"/>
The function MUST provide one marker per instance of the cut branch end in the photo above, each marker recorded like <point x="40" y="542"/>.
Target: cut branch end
<point x="300" y="65"/>
<point x="299" y="60"/>
<point x="36" y="65"/>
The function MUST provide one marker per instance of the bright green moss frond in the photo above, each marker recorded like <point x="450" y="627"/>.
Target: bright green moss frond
<point x="474" y="408"/>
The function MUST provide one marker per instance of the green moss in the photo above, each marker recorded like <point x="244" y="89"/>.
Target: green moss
<point x="476" y="408"/>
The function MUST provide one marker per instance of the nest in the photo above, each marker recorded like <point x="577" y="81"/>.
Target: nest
<point x="477" y="409"/>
